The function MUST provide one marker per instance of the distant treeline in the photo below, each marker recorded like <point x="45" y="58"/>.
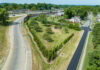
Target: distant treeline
<point x="81" y="11"/>
<point x="39" y="6"/>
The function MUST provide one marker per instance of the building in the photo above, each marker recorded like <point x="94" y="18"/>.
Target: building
<point x="75" y="19"/>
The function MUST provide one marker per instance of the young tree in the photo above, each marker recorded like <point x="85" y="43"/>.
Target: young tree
<point x="69" y="12"/>
<point x="3" y="16"/>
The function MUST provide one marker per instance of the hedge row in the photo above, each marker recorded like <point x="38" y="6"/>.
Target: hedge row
<point x="64" y="42"/>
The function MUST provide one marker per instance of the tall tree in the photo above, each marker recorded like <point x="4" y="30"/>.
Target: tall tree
<point x="3" y="16"/>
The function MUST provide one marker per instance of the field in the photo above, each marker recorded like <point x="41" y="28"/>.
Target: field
<point x="4" y="41"/>
<point x="58" y="35"/>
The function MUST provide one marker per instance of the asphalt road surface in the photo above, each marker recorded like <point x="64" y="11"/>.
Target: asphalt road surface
<point x="75" y="59"/>
<point x="21" y="58"/>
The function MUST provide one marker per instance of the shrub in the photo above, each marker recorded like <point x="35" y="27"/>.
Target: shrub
<point x="74" y="26"/>
<point x="67" y="39"/>
<point x="33" y="24"/>
<point x="38" y="28"/>
<point x="49" y="31"/>
<point x="66" y="30"/>
<point x="62" y="20"/>
<point x="58" y="27"/>
<point x="47" y="37"/>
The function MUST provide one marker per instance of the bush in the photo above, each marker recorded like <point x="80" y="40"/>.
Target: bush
<point x="58" y="27"/>
<point x="33" y="24"/>
<point x="49" y="31"/>
<point x="74" y="26"/>
<point x="38" y="28"/>
<point x="62" y="20"/>
<point x="47" y="37"/>
<point x="66" y="30"/>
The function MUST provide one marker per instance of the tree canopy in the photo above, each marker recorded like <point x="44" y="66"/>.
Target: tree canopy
<point x="94" y="59"/>
<point x="38" y="6"/>
<point x="81" y="11"/>
<point x="3" y="16"/>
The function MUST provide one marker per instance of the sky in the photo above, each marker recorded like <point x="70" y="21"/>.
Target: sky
<point x="65" y="2"/>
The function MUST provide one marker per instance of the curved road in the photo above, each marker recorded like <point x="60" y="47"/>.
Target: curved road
<point x="20" y="57"/>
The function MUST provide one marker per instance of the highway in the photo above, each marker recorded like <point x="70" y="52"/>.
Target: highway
<point x="20" y="57"/>
<point x="76" y="57"/>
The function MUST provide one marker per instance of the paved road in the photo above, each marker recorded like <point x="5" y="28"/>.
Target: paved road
<point x="75" y="59"/>
<point x="85" y="46"/>
<point x="21" y="55"/>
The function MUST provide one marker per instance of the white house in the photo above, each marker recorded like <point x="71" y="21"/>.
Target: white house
<point x="75" y="19"/>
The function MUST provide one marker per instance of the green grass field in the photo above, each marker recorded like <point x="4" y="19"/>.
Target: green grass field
<point x="59" y="36"/>
<point x="63" y="59"/>
<point x="3" y="40"/>
<point x="64" y="55"/>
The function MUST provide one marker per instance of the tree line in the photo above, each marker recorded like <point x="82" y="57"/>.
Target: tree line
<point x="38" y="6"/>
<point x="81" y="11"/>
<point x="94" y="58"/>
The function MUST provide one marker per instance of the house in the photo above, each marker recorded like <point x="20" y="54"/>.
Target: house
<point x="75" y="19"/>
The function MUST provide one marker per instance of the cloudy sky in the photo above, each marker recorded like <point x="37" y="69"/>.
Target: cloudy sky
<point x="67" y="2"/>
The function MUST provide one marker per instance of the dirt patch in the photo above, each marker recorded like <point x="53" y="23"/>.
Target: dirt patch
<point x="55" y="30"/>
<point x="62" y="54"/>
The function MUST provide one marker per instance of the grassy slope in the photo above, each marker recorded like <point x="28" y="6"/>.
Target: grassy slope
<point x="89" y="50"/>
<point x="3" y="40"/>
